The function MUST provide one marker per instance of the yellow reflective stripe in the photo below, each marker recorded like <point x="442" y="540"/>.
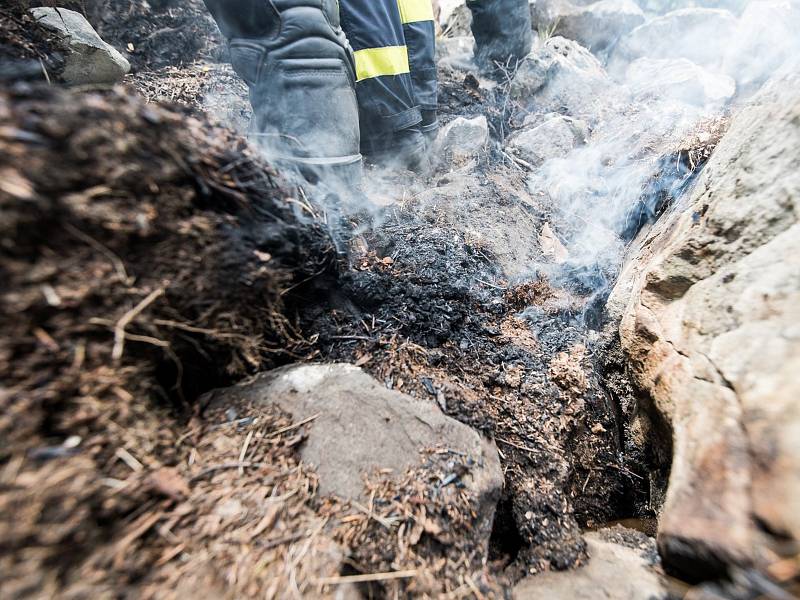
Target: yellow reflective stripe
<point x="412" y="11"/>
<point x="375" y="62"/>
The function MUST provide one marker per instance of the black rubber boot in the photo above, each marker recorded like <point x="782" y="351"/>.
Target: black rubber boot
<point x="404" y="149"/>
<point x="301" y="75"/>
<point x="502" y="31"/>
<point x="429" y="126"/>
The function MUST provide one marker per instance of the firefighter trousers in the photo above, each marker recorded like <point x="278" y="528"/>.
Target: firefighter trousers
<point x="394" y="47"/>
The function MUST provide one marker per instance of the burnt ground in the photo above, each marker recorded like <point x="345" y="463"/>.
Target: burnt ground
<point x="163" y="258"/>
<point x="429" y="311"/>
<point x="25" y="47"/>
<point x="156" y="33"/>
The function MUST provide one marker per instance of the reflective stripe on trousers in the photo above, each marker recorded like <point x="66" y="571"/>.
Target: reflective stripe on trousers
<point x="384" y="88"/>
<point x="420" y="34"/>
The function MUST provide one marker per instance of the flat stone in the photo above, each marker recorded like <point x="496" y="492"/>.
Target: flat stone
<point x="89" y="60"/>
<point x="359" y="426"/>
<point x="614" y="572"/>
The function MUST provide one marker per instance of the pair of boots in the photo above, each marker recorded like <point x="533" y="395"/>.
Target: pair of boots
<point x="310" y="86"/>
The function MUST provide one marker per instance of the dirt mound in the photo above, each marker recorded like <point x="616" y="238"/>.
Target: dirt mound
<point x="145" y="257"/>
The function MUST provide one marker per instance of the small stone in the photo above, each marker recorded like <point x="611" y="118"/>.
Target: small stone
<point x="613" y="571"/>
<point x="89" y="60"/>
<point x="462" y="138"/>
<point x="552" y="139"/>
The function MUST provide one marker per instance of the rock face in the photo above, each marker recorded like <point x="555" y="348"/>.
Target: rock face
<point x="88" y="58"/>
<point x="562" y="76"/>
<point x="679" y="79"/>
<point x="596" y="25"/>
<point x="711" y="306"/>
<point x="359" y="426"/>
<point x="681" y="33"/>
<point x="622" y="566"/>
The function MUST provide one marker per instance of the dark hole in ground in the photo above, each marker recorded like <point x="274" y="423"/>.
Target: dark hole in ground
<point x="505" y="542"/>
<point x="675" y="175"/>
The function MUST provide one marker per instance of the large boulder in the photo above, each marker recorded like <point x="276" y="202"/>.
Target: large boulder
<point x="596" y="25"/>
<point x="710" y="306"/>
<point x="623" y="565"/>
<point x="562" y="76"/>
<point x="89" y="60"/>
<point x="679" y="79"/>
<point x="681" y="33"/>
<point x="359" y="427"/>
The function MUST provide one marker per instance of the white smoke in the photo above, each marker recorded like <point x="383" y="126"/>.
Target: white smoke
<point x="664" y="88"/>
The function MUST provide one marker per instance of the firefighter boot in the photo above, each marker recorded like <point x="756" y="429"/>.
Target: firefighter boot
<point x="300" y="71"/>
<point x="502" y="31"/>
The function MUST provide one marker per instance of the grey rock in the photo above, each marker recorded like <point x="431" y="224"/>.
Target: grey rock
<point x="456" y="53"/>
<point x="697" y="34"/>
<point x="710" y="304"/>
<point x="460" y="46"/>
<point x="360" y="426"/>
<point x="596" y="25"/>
<point x="444" y="9"/>
<point x="679" y="79"/>
<point x="614" y="571"/>
<point x="554" y="138"/>
<point x="564" y="77"/>
<point x="462" y="139"/>
<point x="580" y="129"/>
<point x="533" y="73"/>
<point x="89" y="59"/>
